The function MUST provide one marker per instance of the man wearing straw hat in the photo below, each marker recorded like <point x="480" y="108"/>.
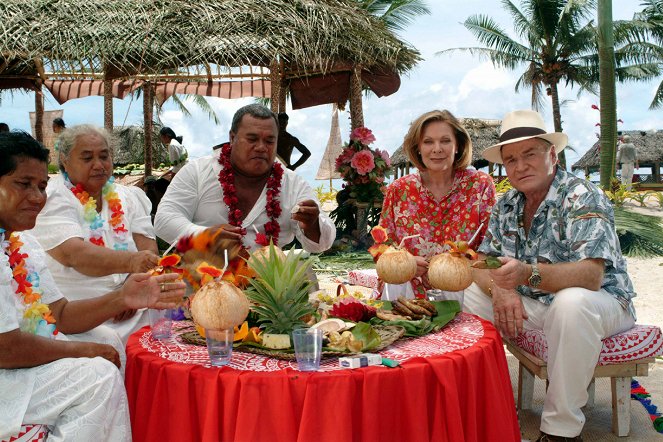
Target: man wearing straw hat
<point x="562" y="269"/>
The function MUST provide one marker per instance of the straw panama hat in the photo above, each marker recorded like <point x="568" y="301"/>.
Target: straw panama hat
<point x="522" y="125"/>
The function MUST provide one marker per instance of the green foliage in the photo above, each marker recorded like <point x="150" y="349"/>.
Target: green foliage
<point x="618" y="193"/>
<point x="659" y="198"/>
<point x="503" y="186"/>
<point x="641" y="197"/>
<point x="324" y="195"/>
<point x="53" y="168"/>
<point x="639" y="235"/>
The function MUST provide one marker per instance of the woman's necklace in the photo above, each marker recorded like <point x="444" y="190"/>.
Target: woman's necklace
<point x="273" y="206"/>
<point x="93" y="218"/>
<point x="37" y="317"/>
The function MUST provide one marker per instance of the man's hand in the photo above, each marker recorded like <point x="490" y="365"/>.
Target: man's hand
<point x="228" y="232"/>
<point x="512" y="273"/>
<point x="162" y="291"/>
<point x="308" y="215"/>
<point x="508" y="310"/>
<point x="92" y="350"/>
<point x="143" y="261"/>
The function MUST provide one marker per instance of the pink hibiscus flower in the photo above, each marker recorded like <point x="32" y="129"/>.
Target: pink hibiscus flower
<point x="385" y="156"/>
<point x="363" y="135"/>
<point x="363" y="161"/>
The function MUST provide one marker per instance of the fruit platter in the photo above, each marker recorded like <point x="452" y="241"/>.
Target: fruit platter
<point x="265" y="295"/>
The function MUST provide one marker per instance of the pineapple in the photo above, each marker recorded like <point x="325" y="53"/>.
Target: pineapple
<point x="279" y="293"/>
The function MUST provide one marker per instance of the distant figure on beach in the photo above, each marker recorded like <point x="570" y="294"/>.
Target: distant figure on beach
<point x="4" y="127"/>
<point x="562" y="271"/>
<point x="287" y="143"/>
<point x="58" y="128"/>
<point x="627" y="155"/>
<point x="177" y="154"/>
<point x="443" y="200"/>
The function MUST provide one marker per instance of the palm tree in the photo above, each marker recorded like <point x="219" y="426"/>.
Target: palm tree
<point x="560" y="45"/>
<point x="644" y="36"/>
<point x="608" y="94"/>
<point x="395" y="14"/>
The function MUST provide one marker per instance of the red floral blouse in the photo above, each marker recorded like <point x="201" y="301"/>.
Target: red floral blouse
<point x="409" y="208"/>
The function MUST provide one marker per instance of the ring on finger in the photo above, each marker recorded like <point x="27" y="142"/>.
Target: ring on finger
<point x="163" y="286"/>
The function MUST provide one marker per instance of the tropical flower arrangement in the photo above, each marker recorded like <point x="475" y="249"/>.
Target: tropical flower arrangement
<point x="363" y="168"/>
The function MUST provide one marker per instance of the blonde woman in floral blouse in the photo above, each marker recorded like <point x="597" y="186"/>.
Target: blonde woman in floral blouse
<point x="443" y="200"/>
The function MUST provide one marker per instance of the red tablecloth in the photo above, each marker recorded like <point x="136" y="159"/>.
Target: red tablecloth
<point x="453" y="385"/>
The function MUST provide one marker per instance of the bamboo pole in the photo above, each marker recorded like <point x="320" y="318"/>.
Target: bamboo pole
<point x="356" y="111"/>
<point x="39" y="113"/>
<point x="148" y="102"/>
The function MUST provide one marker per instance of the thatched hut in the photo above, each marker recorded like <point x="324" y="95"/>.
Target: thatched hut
<point x="650" y="155"/>
<point x="484" y="133"/>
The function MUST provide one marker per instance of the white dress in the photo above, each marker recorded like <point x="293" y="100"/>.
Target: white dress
<point x="80" y="399"/>
<point x="62" y="219"/>
<point x="194" y="201"/>
<point x="177" y="155"/>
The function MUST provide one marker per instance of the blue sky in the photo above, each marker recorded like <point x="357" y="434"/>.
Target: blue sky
<point x="466" y="86"/>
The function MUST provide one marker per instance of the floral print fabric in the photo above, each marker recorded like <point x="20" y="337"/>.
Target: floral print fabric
<point x="575" y="222"/>
<point x="409" y="208"/>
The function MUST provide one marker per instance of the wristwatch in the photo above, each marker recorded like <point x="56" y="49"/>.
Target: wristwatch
<point x="534" y="280"/>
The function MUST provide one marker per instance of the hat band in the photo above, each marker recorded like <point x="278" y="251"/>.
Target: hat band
<point x="519" y="132"/>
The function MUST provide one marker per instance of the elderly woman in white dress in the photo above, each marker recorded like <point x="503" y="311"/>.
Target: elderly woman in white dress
<point x="94" y="230"/>
<point x="68" y="383"/>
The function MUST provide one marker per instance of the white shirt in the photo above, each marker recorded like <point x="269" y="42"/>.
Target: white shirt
<point x="62" y="219"/>
<point x="17" y="385"/>
<point x="175" y="152"/>
<point x="194" y="201"/>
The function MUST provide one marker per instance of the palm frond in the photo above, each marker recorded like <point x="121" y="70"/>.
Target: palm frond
<point x="639" y="234"/>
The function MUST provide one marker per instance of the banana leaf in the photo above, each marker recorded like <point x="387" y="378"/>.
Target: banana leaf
<point x="446" y="311"/>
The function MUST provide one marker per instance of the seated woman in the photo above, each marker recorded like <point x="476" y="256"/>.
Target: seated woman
<point x="95" y="231"/>
<point x="72" y="386"/>
<point x="444" y="200"/>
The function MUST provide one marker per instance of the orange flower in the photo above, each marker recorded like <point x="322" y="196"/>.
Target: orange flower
<point x="170" y="260"/>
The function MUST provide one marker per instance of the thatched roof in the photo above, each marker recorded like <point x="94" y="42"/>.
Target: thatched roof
<point x="484" y="133"/>
<point x="649" y="145"/>
<point x="183" y="38"/>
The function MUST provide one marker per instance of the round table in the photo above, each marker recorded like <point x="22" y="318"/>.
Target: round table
<point x="452" y="385"/>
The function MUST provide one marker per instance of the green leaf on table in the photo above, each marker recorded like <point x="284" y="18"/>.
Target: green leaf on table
<point x="364" y="332"/>
<point x="446" y="311"/>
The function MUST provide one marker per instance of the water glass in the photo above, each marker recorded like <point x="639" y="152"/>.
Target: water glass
<point x="219" y="346"/>
<point x="161" y="322"/>
<point x="308" y="348"/>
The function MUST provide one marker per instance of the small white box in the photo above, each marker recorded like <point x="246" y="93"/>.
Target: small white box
<point x="360" y="360"/>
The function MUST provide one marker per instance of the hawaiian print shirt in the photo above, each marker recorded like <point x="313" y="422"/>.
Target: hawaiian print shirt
<point x="575" y="222"/>
<point x="409" y="208"/>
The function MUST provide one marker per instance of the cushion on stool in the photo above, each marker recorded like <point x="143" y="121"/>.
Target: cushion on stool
<point x="365" y="277"/>
<point x="29" y="433"/>
<point x="642" y="341"/>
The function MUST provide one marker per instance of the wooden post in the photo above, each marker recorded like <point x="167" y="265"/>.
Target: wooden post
<point x="108" y="105"/>
<point x="39" y="112"/>
<point x="356" y="111"/>
<point x="275" y="80"/>
<point x="148" y="100"/>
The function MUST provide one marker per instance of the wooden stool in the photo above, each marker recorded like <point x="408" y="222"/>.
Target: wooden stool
<point x="623" y="356"/>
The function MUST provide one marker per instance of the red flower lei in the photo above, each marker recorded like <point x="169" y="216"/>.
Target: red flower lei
<point x="273" y="206"/>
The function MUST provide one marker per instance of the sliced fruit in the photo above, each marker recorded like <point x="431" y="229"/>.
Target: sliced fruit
<point x="276" y="341"/>
<point x="200" y="329"/>
<point x="241" y="332"/>
<point x="254" y="335"/>
<point x="331" y="325"/>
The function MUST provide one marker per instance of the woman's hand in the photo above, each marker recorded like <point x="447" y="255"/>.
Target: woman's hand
<point x="226" y="231"/>
<point x="512" y="273"/>
<point x="92" y="350"/>
<point x="143" y="261"/>
<point x="162" y="291"/>
<point x="508" y="311"/>
<point x="308" y="216"/>
<point x="422" y="266"/>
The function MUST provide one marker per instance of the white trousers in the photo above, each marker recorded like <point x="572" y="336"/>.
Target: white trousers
<point x="627" y="175"/>
<point x="574" y="325"/>
<point x="80" y="399"/>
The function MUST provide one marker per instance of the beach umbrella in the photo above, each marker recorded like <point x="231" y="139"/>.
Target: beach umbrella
<point x="327" y="168"/>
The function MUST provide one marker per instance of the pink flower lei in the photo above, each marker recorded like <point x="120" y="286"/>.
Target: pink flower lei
<point x="273" y="206"/>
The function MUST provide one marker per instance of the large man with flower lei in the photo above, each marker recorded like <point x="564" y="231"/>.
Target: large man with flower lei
<point x="69" y="383"/>
<point x="95" y="230"/>
<point x="243" y="191"/>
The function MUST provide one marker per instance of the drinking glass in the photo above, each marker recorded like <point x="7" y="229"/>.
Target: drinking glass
<point x="308" y="348"/>
<point x="161" y="322"/>
<point x="219" y="346"/>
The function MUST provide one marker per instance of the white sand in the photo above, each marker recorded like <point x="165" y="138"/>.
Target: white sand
<point x="647" y="277"/>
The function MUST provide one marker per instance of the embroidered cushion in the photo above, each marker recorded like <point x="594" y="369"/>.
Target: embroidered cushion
<point x="642" y="341"/>
<point x="29" y="433"/>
